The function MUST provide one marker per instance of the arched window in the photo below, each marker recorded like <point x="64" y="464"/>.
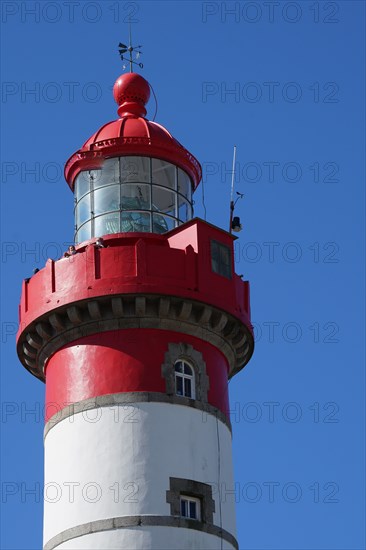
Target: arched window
<point x="184" y="370"/>
<point x="184" y="379"/>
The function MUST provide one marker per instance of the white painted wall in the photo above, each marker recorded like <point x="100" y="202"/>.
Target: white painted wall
<point x="151" y="538"/>
<point x="116" y="461"/>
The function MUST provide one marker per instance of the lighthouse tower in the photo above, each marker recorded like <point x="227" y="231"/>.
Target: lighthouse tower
<point x="136" y="332"/>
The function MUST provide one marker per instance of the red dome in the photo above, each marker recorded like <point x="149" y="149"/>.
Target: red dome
<point x="131" y="134"/>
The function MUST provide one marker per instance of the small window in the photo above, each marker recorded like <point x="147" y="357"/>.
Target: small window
<point x="191" y="499"/>
<point x="184" y="380"/>
<point x="221" y="259"/>
<point x="190" y="507"/>
<point x="184" y="371"/>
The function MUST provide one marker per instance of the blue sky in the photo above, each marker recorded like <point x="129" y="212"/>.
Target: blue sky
<point x="284" y="81"/>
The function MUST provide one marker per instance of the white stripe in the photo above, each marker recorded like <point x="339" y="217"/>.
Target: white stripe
<point x="116" y="461"/>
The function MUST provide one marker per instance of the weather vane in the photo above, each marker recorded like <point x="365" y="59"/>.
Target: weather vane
<point x="129" y="50"/>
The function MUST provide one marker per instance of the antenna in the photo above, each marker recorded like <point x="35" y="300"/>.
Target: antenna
<point x="233" y="174"/>
<point x="123" y="49"/>
<point x="235" y="224"/>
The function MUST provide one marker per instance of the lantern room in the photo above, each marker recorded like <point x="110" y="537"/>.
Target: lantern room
<point x="131" y="175"/>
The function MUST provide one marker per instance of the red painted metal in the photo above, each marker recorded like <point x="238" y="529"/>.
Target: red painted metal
<point x="177" y="263"/>
<point x="132" y="134"/>
<point x="116" y="362"/>
<point x="131" y="93"/>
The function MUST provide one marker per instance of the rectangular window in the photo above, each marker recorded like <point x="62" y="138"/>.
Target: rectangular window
<point x="190" y="507"/>
<point x="191" y="499"/>
<point x="221" y="259"/>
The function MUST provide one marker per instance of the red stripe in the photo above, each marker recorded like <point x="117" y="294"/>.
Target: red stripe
<point x="124" y="361"/>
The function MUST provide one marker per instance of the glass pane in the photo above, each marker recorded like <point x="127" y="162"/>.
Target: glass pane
<point x="193" y="509"/>
<point x="187" y="387"/>
<point x="226" y="271"/>
<point x="84" y="233"/>
<point x="135" y="169"/>
<point x="184" y="210"/>
<point x="135" y="221"/>
<point x="109" y="173"/>
<point x="178" y="385"/>
<point x="163" y="200"/>
<point x="82" y="184"/>
<point x="183" y="508"/>
<point x="106" y="199"/>
<point x="95" y="176"/>
<point x="82" y="211"/>
<point x="184" y="184"/>
<point x="161" y="224"/>
<point x="224" y="256"/>
<point x="135" y="197"/>
<point x="179" y="366"/>
<point x="104" y="225"/>
<point x="215" y="256"/>
<point x="163" y="173"/>
<point x="225" y="260"/>
<point x="187" y="369"/>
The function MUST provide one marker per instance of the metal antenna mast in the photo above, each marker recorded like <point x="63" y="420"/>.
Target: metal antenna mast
<point x="234" y="222"/>
<point x="232" y="205"/>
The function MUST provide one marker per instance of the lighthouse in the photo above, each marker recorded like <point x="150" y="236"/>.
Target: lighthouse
<point x="136" y="332"/>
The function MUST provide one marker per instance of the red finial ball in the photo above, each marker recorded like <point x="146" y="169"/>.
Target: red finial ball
<point x="131" y="93"/>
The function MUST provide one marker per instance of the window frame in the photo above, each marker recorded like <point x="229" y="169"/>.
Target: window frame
<point x="189" y="499"/>
<point x="217" y="247"/>
<point x="191" y="377"/>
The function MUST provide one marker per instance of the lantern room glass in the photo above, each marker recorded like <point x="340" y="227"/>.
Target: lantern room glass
<point x="138" y="194"/>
